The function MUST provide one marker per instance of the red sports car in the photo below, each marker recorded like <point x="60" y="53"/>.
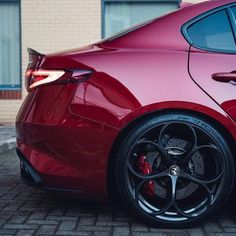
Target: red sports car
<point x="147" y="116"/>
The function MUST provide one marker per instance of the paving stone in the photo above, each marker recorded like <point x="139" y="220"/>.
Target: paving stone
<point x="167" y="230"/>
<point x="19" y="219"/>
<point x="25" y="233"/>
<point x="138" y="227"/>
<point x="2" y="222"/>
<point x="93" y="228"/>
<point x="38" y="215"/>
<point x="75" y="233"/>
<point x="121" y="231"/>
<point x="102" y="233"/>
<point x="226" y="222"/>
<point x="67" y="225"/>
<point x="19" y="226"/>
<point x="213" y="227"/>
<point x="47" y="229"/>
<point x="183" y="233"/>
<point x="221" y="234"/>
<point x="104" y="217"/>
<point x="87" y="221"/>
<point x="149" y="234"/>
<point x="123" y="219"/>
<point x="70" y="218"/>
<point x="8" y="231"/>
<point x="112" y="223"/>
<point x="230" y="229"/>
<point x="196" y="232"/>
<point x="43" y="222"/>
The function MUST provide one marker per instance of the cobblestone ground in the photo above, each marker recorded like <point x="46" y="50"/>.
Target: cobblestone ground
<point x="26" y="211"/>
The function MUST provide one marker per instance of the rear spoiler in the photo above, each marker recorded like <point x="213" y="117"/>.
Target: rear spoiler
<point x="35" y="58"/>
<point x="32" y="51"/>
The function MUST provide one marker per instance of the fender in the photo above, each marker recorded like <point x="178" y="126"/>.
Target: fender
<point x="214" y="113"/>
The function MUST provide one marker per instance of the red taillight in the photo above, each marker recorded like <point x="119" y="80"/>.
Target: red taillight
<point x="35" y="78"/>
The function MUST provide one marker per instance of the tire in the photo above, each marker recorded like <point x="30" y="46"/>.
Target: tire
<point x="174" y="170"/>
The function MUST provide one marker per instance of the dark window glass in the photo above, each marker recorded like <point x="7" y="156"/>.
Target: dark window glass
<point x="213" y="32"/>
<point x="234" y="11"/>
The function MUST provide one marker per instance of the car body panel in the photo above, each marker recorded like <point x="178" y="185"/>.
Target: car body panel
<point x="206" y="64"/>
<point x="67" y="152"/>
<point x="211" y="63"/>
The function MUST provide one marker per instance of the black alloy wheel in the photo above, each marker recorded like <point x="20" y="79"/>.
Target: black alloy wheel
<point x="174" y="169"/>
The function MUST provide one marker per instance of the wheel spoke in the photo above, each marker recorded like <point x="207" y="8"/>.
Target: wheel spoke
<point x="196" y="149"/>
<point x="174" y="180"/>
<point x="133" y="155"/>
<point x="163" y="210"/>
<point x="172" y="201"/>
<point x="158" y="147"/>
<point x="137" y="199"/>
<point x="165" y="127"/>
<point x="162" y="132"/>
<point x="180" y="211"/>
<point x="144" y="141"/>
<point x="204" y="183"/>
<point x="154" y="213"/>
<point x="137" y="190"/>
<point x="197" y="180"/>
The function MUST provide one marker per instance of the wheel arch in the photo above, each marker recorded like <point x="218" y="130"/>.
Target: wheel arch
<point x="111" y="185"/>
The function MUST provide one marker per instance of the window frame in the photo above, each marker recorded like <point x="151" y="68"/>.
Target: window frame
<point x="103" y="6"/>
<point x="232" y="22"/>
<point x="8" y="87"/>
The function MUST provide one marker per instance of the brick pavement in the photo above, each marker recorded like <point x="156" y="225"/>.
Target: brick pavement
<point x="27" y="211"/>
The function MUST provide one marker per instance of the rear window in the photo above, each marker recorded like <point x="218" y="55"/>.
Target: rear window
<point x="213" y="32"/>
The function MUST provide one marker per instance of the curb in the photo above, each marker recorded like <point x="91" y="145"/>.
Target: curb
<point x="7" y="145"/>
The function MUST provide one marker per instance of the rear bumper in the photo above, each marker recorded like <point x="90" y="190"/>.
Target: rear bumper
<point x="64" y="150"/>
<point x="32" y="178"/>
<point x="28" y="173"/>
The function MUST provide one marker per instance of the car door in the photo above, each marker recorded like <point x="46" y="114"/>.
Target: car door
<point x="212" y="55"/>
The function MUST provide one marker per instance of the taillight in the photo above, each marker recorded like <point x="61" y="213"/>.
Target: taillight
<point x="35" y="78"/>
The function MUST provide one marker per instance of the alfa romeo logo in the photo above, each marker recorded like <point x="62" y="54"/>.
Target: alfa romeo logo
<point x="174" y="170"/>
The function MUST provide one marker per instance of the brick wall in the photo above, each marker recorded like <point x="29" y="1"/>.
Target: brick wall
<point x="51" y="25"/>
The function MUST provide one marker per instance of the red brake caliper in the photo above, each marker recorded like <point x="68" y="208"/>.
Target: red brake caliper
<point x="146" y="168"/>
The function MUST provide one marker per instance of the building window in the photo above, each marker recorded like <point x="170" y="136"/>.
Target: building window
<point x="120" y="14"/>
<point x="10" y="78"/>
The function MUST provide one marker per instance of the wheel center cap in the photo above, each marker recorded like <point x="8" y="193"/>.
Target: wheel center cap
<point x="174" y="170"/>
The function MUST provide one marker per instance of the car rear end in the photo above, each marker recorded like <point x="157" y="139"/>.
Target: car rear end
<point x="50" y="142"/>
